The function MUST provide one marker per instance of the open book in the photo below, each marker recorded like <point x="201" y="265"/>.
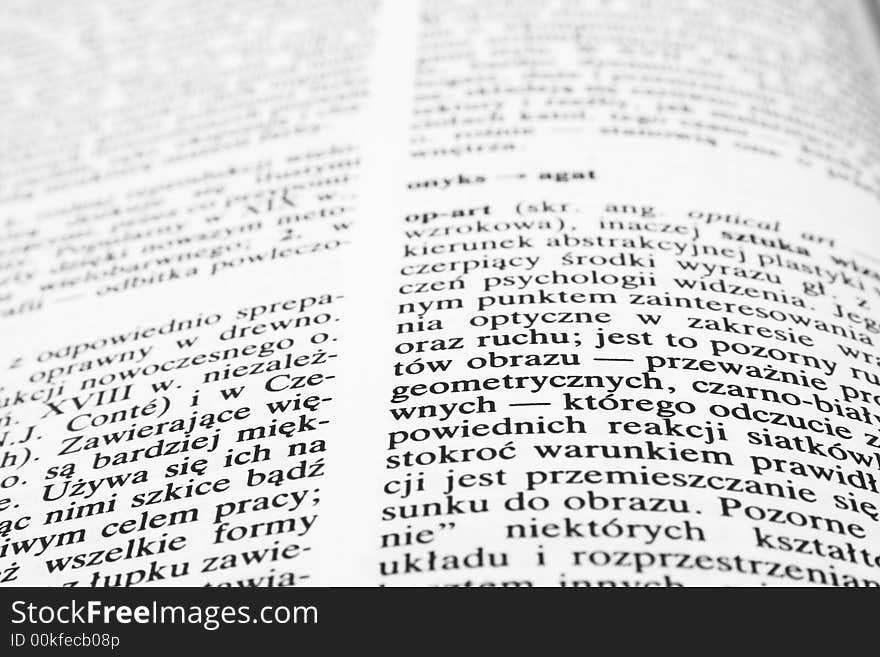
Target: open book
<point x="442" y="292"/>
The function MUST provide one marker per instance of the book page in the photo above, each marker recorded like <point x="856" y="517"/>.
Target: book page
<point x="441" y="293"/>
<point x="180" y="191"/>
<point x="636" y="284"/>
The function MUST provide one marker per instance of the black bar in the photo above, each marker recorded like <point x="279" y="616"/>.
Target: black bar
<point x="373" y="621"/>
